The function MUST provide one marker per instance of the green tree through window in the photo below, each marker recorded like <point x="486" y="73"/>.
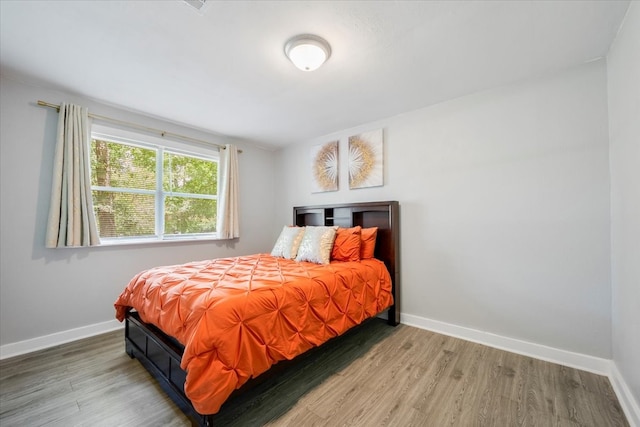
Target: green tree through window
<point x="146" y="191"/>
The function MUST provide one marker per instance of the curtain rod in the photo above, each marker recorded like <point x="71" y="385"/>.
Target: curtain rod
<point x="140" y="127"/>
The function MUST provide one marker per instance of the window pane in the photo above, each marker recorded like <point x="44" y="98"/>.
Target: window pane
<point x="189" y="215"/>
<point x="124" y="214"/>
<point x="186" y="174"/>
<point x="122" y="166"/>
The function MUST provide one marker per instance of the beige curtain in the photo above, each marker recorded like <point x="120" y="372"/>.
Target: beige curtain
<point x="227" y="226"/>
<point x="71" y="218"/>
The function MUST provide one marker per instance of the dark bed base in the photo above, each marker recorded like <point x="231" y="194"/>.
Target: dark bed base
<point x="161" y="357"/>
<point x="161" y="354"/>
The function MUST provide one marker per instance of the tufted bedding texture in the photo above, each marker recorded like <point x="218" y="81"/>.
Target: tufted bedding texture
<point x="238" y="316"/>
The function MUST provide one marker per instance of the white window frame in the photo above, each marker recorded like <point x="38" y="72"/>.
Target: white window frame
<point x="161" y="145"/>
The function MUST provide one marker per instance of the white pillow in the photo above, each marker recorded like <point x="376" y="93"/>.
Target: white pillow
<point x="316" y="244"/>
<point x="287" y="244"/>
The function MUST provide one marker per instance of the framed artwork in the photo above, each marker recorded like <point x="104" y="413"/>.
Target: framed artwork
<point x="324" y="167"/>
<point x="365" y="160"/>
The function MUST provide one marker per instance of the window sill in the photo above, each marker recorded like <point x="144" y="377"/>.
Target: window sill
<point x="155" y="241"/>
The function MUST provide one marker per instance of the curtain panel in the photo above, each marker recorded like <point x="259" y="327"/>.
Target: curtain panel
<point x="227" y="224"/>
<point x="71" y="218"/>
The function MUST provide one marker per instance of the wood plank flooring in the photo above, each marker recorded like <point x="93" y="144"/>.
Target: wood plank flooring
<point x="374" y="376"/>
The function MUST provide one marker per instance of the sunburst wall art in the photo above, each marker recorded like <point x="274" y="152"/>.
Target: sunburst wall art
<point x="365" y="160"/>
<point x="324" y="165"/>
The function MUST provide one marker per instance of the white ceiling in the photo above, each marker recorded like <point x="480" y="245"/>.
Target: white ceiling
<point x="224" y="70"/>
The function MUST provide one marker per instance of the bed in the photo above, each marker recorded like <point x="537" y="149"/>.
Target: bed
<point x="230" y="347"/>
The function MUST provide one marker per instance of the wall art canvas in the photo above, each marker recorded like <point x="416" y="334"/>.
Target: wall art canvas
<point x="324" y="165"/>
<point x="365" y="160"/>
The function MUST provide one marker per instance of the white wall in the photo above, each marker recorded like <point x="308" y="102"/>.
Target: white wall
<point x="47" y="291"/>
<point x="624" y="137"/>
<point x="504" y="199"/>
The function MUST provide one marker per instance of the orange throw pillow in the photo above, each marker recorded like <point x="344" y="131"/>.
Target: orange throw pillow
<point x="368" y="243"/>
<point x="346" y="247"/>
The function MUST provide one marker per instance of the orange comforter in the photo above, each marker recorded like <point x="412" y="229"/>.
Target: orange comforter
<point x="238" y="316"/>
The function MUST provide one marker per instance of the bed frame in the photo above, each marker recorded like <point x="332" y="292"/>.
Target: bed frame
<point x="161" y="354"/>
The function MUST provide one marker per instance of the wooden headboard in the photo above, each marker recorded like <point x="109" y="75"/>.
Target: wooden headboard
<point x="384" y="215"/>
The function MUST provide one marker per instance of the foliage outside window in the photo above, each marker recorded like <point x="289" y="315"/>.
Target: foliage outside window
<point x="152" y="192"/>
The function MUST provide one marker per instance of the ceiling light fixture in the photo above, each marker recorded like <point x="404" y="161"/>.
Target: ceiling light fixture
<point x="307" y="52"/>
<point x="197" y="4"/>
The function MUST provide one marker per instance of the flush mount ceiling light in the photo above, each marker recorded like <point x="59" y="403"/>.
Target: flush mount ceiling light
<point x="197" y="4"/>
<point x="307" y="52"/>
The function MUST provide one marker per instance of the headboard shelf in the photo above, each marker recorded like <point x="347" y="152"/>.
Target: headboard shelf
<point x="384" y="215"/>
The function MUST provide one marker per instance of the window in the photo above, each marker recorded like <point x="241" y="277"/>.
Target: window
<point x="145" y="191"/>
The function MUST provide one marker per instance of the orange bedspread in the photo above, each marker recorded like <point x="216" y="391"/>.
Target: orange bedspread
<point x="238" y="316"/>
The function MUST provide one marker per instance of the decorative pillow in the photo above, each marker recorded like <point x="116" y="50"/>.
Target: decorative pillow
<point x="316" y="244"/>
<point x="347" y="244"/>
<point x="368" y="243"/>
<point x="288" y="242"/>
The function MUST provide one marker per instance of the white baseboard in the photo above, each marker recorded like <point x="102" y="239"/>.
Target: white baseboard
<point x="39" y="343"/>
<point x="580" y="361"/>
<point x="584" y="362"/>
<point x="629" y="404"/>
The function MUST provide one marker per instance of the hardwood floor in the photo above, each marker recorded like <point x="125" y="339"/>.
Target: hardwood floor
<point x="374" y="376"/>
